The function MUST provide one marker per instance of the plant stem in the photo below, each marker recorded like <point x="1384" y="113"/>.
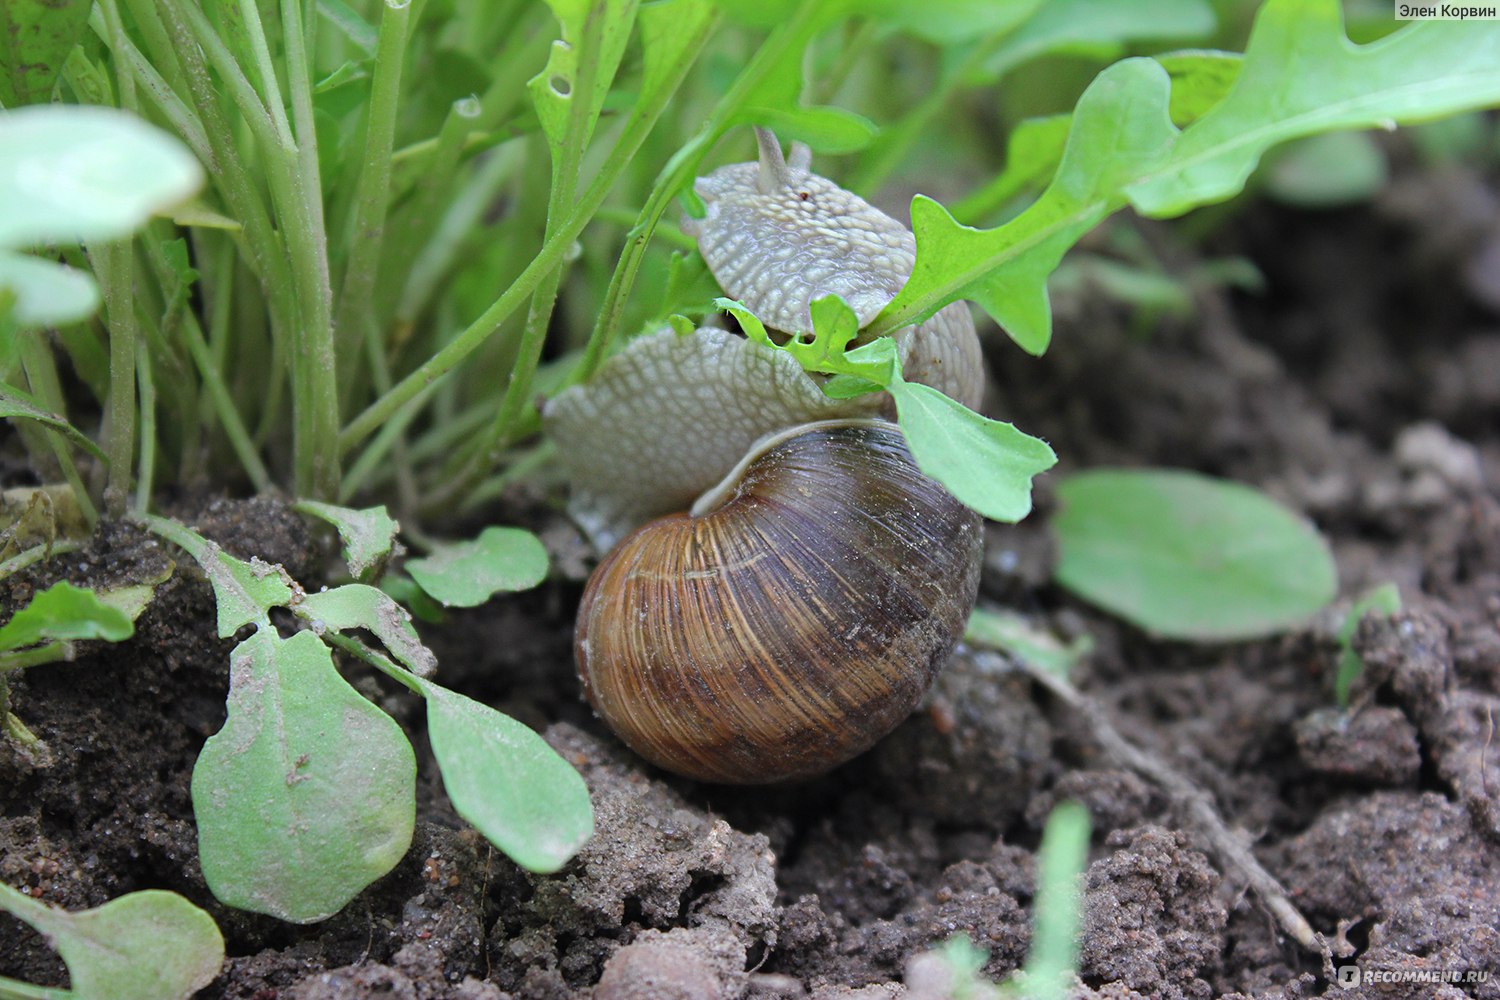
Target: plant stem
<point x="41" y="376"/>
<point x="116" y="272"/>
<point x="639" y="125"/>
<point x="359" y="650"/>
<point x="36" y="554"/>
<point x="297" y="191"/>
<point x="52" y="652"/>
<point x="372" y="195"/>
<point x="148" y="431"/>
<point x="680" y="170"/>
<point x="15" y="989"/>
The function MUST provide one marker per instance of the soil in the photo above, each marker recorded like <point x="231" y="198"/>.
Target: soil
<point x="1360" y="386"/>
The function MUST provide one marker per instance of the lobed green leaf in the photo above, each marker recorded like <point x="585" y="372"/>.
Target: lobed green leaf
<point x="357" y="605"/>
<point x="1300" y="75"/>
<point x="307" y="794"/>
<point x="65" y="613"/>
<point x="505" y="780"/>
<point x="1187" y="556"/>
<point x="369" y="535"/>
<point x="244" y="592"/>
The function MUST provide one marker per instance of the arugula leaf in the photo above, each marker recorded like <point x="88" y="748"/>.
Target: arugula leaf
<point x="149" y="945"/>
<point x="368" y="535"/>
<point x="466" y="574"/>
<point x="65" y="612"/>
<point x="986" y="464"/>
<point x="307" y="794"/>
<point x="1300" y="76"/>
<point x="503" y="778"/>
<point x="1187" y="556"/>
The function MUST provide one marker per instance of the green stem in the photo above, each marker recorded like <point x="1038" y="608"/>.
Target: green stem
<point x="14" y="989"/>
<point x="36" y="554"/>
<point x="372" y="459"/>
<point x="116" y="272"/>
<point x="148" y="431"/>
<point x="297" y="192"/>
<point x="680" y="171"/>
<point x="14" y="660"/>
<point x="359" y="650"/>
<point x="372" y="194"/>
<point x="41" y="377"/>
<point x="637" y="127"/>
<point x="223" y="405"/>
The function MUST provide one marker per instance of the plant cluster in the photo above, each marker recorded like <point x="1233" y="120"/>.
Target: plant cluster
<point x="341" y="248"/>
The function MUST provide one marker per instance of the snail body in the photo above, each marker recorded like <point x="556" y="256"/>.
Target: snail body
<point x="790" y="627"/>
<point x="800" y="610"/>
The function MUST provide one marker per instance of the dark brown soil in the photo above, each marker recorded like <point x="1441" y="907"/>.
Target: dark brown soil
<point x="1362" y="387"/>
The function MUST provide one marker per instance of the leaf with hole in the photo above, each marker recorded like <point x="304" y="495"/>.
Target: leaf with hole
<point x="357" y="605"/>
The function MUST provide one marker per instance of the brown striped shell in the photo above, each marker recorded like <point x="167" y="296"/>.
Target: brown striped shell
<point x="794" y="624"/>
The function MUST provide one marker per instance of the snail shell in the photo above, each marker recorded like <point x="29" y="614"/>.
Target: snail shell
<point x="790" y="622"/>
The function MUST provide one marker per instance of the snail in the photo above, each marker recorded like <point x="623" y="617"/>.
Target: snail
<point x="782" y="583"/>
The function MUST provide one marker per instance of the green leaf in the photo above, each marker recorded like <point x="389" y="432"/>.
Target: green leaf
<point x="1302" y="76"/>
<point x="306" y="795"/>
<point x="669" y="29"/>
<point x="244" y="592"/>
<point x="1299" y="76"/>
<point x="986" y="464"/>
<point x="1189" y="557"/>
<point x="505" y="780"/>
<point x="35" y="39"/>
<point x="1013" y="634"/>
<point x="1383" y="600"/>
<point x="1200" y="80"/>
<point x="16" y="404"/>
<point x="776" y="99"/>
<point x="65" y="613"/>
<point x="351" y="25"/>
<point x="151" y="945"/>
<point x="1119" y="127"/>
<point x="131" y="600"/>
<point x="70" y="173"/>
<point x="405" y="592"/>
<point x="569" y="92"/>
<point x="46" y="293"/>
<point x="1032" y="153"/>
<point x="368" y="535"/>
<point x="467" y="574"/>
<point x="356" y="605"/>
